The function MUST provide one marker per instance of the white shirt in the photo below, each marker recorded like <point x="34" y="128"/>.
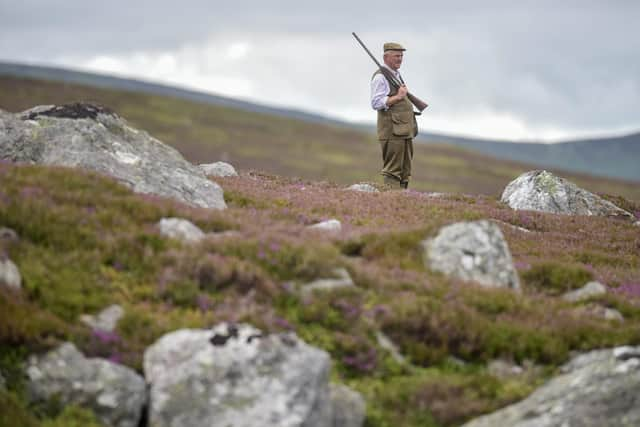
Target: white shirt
<point x="380" y="90"/>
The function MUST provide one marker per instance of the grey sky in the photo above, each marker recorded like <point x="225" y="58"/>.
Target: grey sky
<point x="502" y="69"/>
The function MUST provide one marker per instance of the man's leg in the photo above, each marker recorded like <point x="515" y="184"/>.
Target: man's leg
<point x="393" y="157"/>
<point x="406" y="163"/>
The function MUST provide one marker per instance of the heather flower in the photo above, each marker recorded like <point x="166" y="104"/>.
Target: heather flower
<point x="628" y="289"/>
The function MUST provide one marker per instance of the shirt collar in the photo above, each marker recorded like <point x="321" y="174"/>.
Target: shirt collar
<point x="397" y="73"/>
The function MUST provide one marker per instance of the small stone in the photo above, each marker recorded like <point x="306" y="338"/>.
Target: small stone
<point x="220" y="169"/>
<point x="180" y="229"/>
<point x="8" y="235"/>
<point x="106" y="320"/>
<point x="10" y="275"/>
<point x="502" y="369"/>
<point x="590" y="290"/>
<point x="332" y="225"/>
<point x="364" y="187"/>
<point x="343" y="280"/>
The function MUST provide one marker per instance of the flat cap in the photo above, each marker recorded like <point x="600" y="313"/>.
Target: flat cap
<point x="393" y="46"/>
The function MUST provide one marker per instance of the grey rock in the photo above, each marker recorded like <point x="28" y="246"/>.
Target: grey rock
<point x="364" y="187"/>
<point x="503" y="369"/>
<point x="180" y="229"/>
<point x="542" y="191"/>
<point x="596" y="389"/>
<point x="331" y="225"/>
<point x="8" y="235"/>
<point x="234" y="375"/>
<point x="9" y="274"/>
<point x="598" y="311"/>
<point x="106" y="320"/>
<point x="349" y="408"/>
<point x="93" y="138"/>
<point x="475" y="251"/>
<point x="342" y="280"/>
<point x="221" y="169"/>
<point x="590" y="290"/>
<point x="115" y="393"/>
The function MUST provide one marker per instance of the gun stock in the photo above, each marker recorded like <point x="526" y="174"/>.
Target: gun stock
<point x="417" y="102"/>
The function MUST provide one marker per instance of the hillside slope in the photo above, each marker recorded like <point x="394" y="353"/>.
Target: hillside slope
<point x="285" y="146"/>
<point x="86" y="242"/>
<point x="609" y="157"/>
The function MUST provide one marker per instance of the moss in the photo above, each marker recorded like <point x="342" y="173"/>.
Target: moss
<point x="435" y="399"/>
<point x="395" y="250"/>
<point x="556" y="278"/>
<point x="14" y="413"/>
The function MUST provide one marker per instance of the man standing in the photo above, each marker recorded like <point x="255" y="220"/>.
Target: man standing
<point x="396" y="120"/>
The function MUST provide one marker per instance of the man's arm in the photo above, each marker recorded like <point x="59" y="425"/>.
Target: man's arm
<point x="379" y="93"/>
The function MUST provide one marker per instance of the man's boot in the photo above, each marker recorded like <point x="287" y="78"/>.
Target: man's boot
<point x="392" y="183"/>
<point x="404" y="184"/>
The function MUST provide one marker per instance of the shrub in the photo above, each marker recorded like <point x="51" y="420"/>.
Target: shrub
<point x="556" y="278"/>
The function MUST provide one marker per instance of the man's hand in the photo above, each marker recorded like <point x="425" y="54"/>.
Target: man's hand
<point x="402" y="93"/>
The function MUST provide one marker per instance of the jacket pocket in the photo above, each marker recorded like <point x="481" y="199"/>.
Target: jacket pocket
<point x="402" y="124"/>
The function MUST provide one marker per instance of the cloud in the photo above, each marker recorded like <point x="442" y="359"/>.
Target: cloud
<point x="497" y="69"/>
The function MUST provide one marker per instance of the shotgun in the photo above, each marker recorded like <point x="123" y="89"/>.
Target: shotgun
<point x="419" y="104"/>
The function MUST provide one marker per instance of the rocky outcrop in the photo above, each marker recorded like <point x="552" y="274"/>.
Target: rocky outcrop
<point x="94" y="138"/>
<point x="9" y="274"/>
<point x="542" y="191"/>
<point x="596" y="389"/>
<point x="234" y="375"/>
<point x="474" y="251"/>
<point x="116" y="394"/>
<point x="180" y="229"/>
<point x="220" y="169"/>
<point x="106" y="320"/>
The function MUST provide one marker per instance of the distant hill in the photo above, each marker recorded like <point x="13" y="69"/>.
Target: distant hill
<point x="615" y="157"/>
<point x="274" y="141"/>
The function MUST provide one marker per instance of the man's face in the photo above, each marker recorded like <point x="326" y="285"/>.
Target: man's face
<point x="393" y="59"/>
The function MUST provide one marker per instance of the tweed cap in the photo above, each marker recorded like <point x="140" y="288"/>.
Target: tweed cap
<point x="393" y="46"/>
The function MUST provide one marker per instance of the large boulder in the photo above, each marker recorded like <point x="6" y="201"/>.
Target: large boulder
<point x="234" y="375"/>
<point x="115" y="393"/>
<point x="474" y="251"/>
<point x="94" y="138"/>
<point x="596" y="389"/>
<point x="542" y="191"/>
